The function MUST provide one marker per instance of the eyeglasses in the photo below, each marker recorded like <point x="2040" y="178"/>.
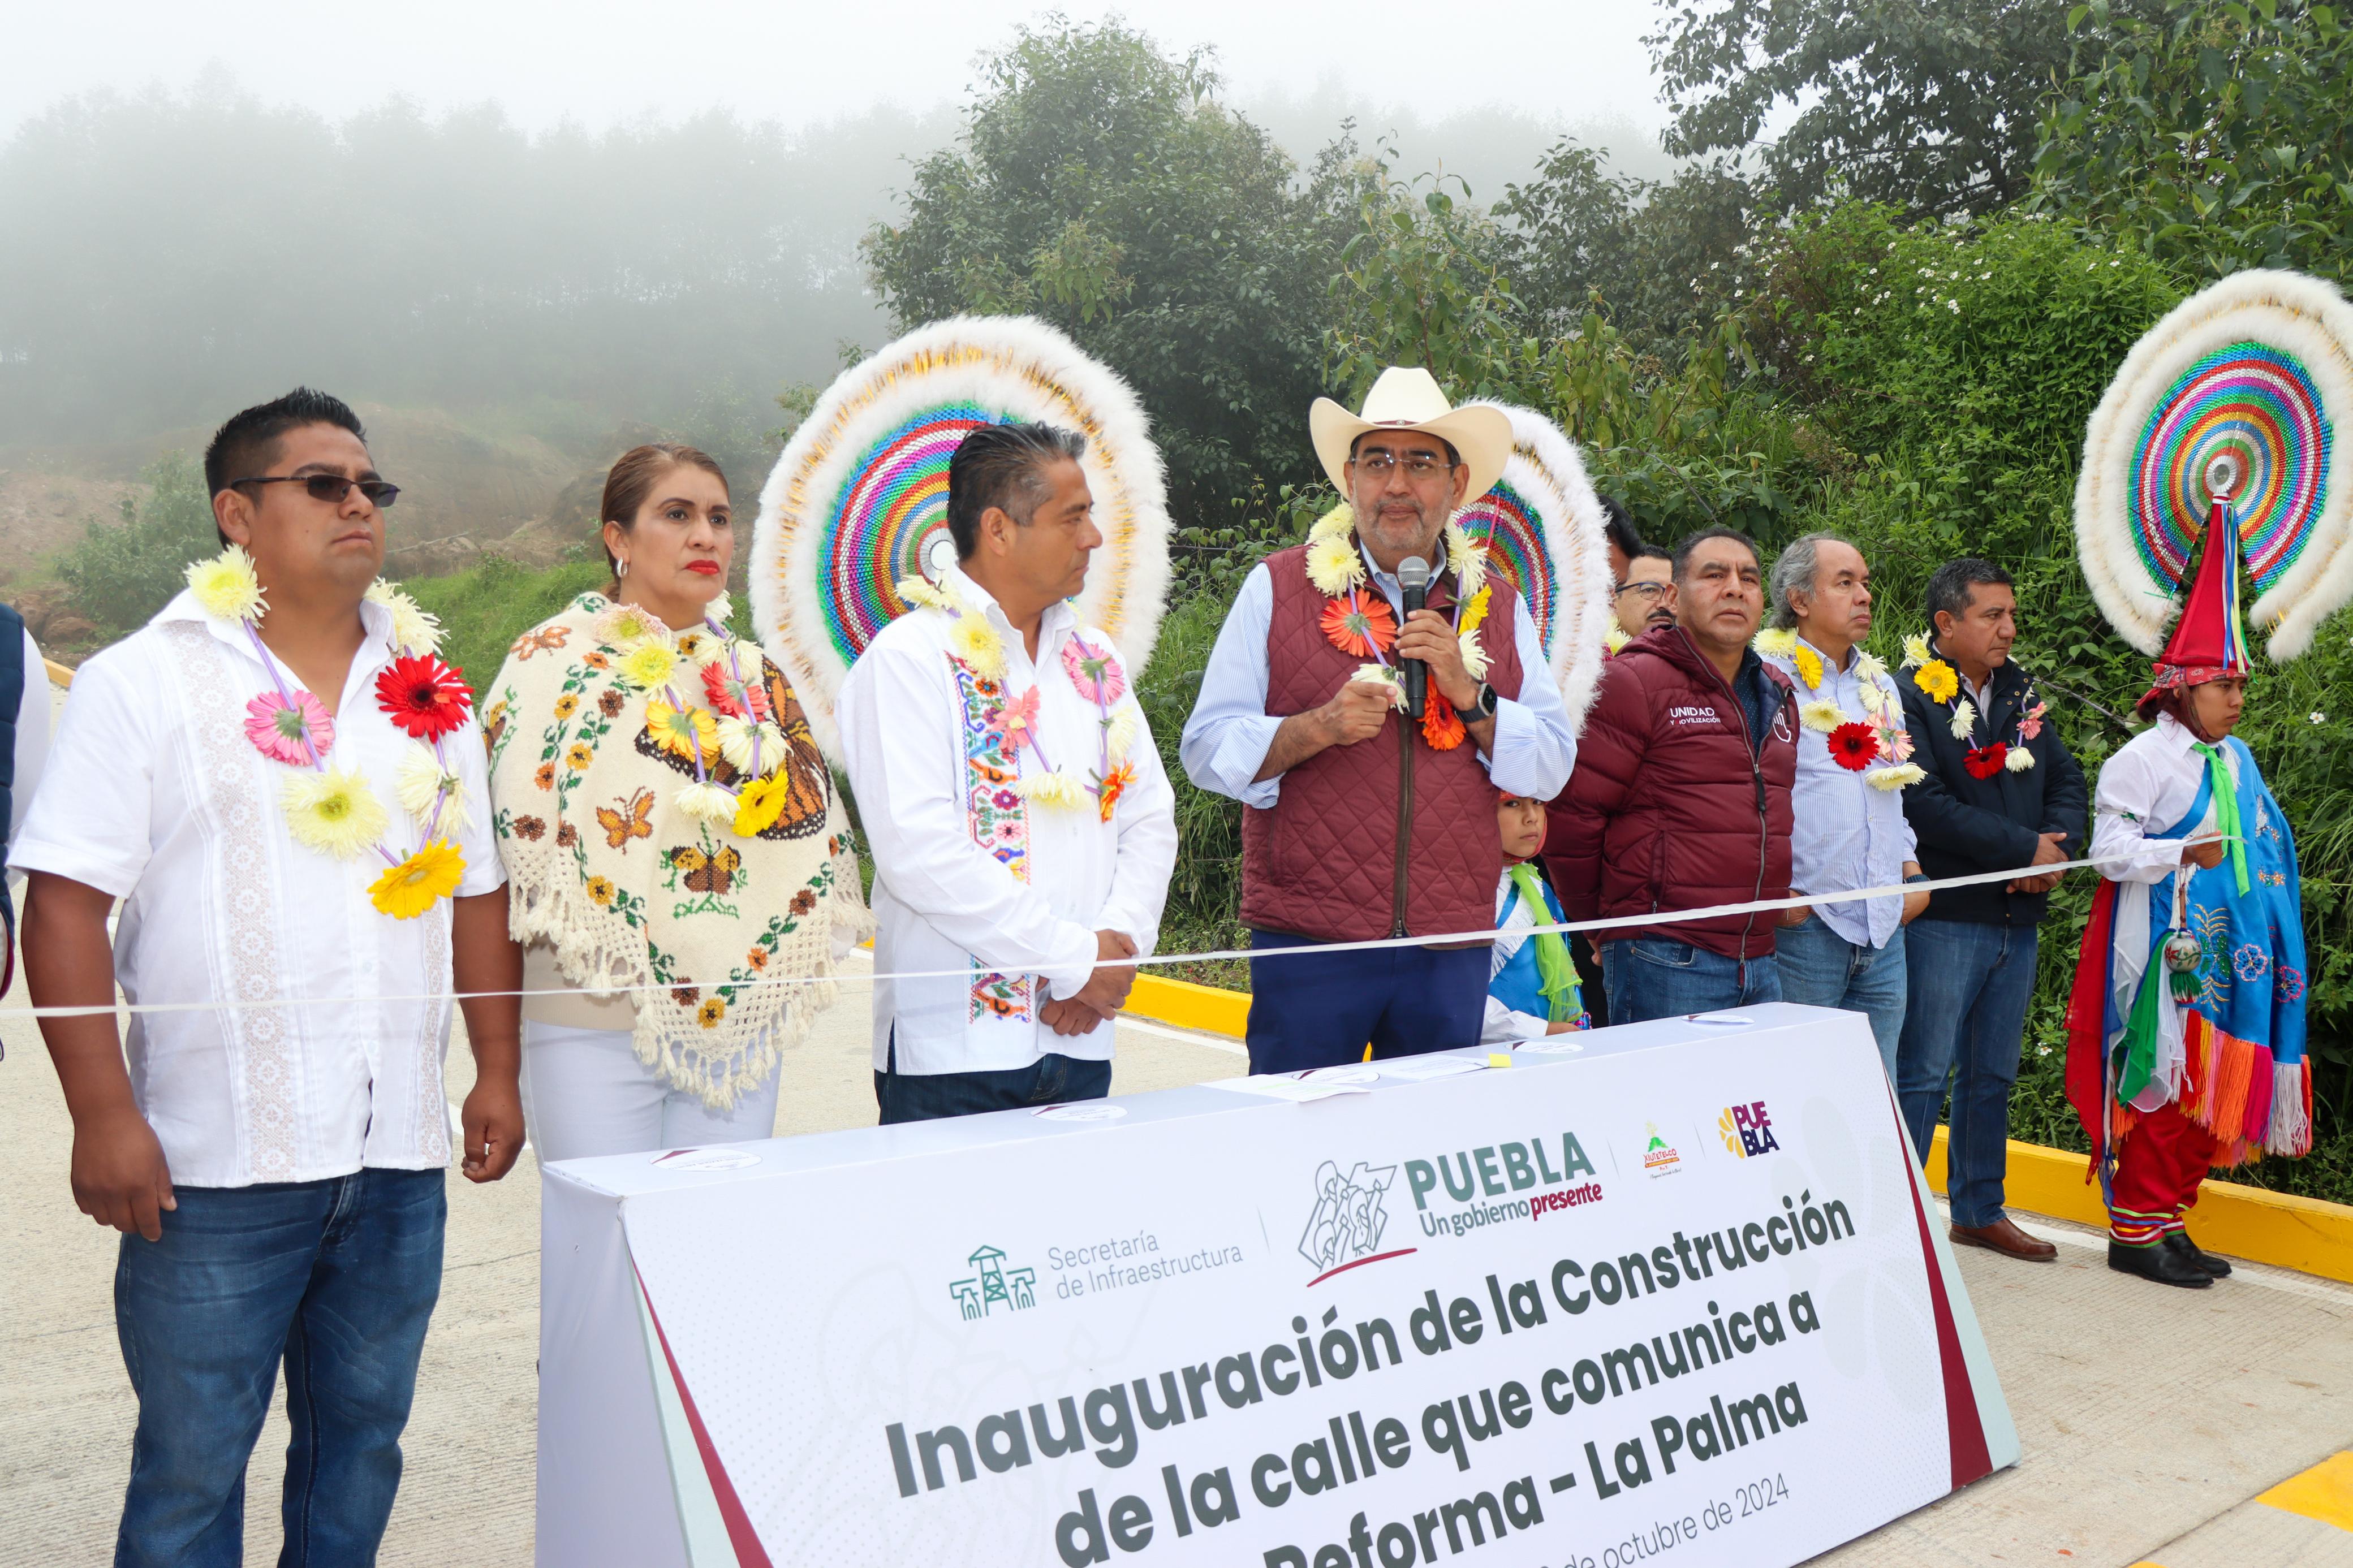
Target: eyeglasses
<point x="1418" y="465"/>
<point x="331" y="487"/>
<point x="1651" y="591"/>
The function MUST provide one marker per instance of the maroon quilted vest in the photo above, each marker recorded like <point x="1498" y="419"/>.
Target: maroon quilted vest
<point x="1323" y="861"/>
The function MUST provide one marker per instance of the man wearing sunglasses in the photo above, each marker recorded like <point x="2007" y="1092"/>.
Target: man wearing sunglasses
<point x="275" y="1171"/>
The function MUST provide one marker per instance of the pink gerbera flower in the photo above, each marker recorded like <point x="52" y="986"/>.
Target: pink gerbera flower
<point x="732" y="697"/>
<point x="278" y="728"/>
<point x="1097" y="676"/>
<point x="1016" y="719"/>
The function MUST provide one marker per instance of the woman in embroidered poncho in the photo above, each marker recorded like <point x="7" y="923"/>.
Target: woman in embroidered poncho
<point x="666" y="821"/>
<point x="2187" y="1023"/>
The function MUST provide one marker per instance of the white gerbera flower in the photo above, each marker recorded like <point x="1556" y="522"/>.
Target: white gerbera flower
<point x="2017" y="759"/>
<point x="1057" y="791"/>
<point x="919" y="591"/>
<point x="1822" y="715"/>
<point x="1126" y="723"/>
<point x="1334" y="566"/>
<point x="1474" y="658"/>
<point x="1964" y="717"/>
<point x="415" y="631"/>
<point x="1339" y="520"/>
<point x="1915" y="649"/>
<point x="705" y="801"/>
<point x="720" y="609"/>
<point x="420" y="781"/>
<point x="1896" y="777"/>
<point x="226" y="587"/>
<point x="1775" y="642"/>
<point x="735" y="736"/>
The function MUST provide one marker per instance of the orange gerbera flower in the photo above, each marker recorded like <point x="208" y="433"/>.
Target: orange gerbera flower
<point x="1441" y="726"/>
<point x="1360" y="624"/>
<point x="1114" y="785"/>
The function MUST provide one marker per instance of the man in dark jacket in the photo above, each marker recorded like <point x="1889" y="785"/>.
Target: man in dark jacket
<point x="2001" y="792"/>
<point x="1680" y="796"/>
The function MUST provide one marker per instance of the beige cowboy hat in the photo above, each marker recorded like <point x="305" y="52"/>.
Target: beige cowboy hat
<point x="1407" y="398"/>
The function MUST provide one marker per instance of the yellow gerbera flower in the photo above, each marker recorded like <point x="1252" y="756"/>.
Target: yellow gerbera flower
<point x="226" y="586"/>
<point x="1777" y="642"/>
<point x="334" y="812"/>
<point x="680" y="732"/>
<point x="973" y="641"/>
<point x="417" y="883"/>
<point x="759" y="803"/>
<point x="1475" y="613"/>
<point x="625" y="626"/>
<point x="1937" y="680"/>
<point x="651" y="664"/>
<point x="1810" y="666"/>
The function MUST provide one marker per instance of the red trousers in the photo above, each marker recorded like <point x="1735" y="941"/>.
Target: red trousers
<point x="2163" y="1160"/>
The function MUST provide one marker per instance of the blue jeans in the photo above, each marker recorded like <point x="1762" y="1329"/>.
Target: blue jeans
<point x="1966" y="1019"/>
<point x="1653" y="977"/>
<point x="339" y="1276"/>
<point x="1820" y="968"/>
<point x="927" y="1096"/>
<point x="1321" y="1009"/>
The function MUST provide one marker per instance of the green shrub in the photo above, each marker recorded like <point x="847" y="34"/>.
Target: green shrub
<point x="485" y="608"/>
<point x="121" y="575"/>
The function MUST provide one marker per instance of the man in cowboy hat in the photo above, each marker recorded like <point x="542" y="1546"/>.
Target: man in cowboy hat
<point x="1368" y="815"/>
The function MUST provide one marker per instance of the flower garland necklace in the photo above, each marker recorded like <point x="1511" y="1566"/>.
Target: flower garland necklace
<point x="1941" y="684"/>
<point x="1096" y="676"/>
<point x="1853" y="744"/>
<point x="735" y="717"/>
<point x="331" y="809"/>
<point x="1359" y="621"/>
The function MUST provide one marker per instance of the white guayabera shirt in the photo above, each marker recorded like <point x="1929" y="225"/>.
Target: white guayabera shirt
<point x="153" y="794"/>
<point x="942" y="902"/>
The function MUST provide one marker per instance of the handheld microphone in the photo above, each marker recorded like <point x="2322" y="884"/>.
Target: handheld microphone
<point x="1413" y="576"/>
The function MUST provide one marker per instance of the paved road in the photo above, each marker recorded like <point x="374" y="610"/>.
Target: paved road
<point x="2151" y="1418"/>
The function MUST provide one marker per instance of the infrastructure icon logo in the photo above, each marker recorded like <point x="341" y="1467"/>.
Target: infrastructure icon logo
<point x="1659" y="1157"/>
<point x="994" y="1285"/>
<point x="1349" y="1215"/>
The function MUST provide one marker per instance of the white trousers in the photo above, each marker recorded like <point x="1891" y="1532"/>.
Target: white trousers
<point x="585" y="1092"/>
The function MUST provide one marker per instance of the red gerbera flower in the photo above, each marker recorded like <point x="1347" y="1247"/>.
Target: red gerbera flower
<point x="1984" y="762"/>
<point x="1360" y="624"/>
<point x="732" y="698"/>
<point x="1854" y="746"/>
<point x="423" y="695"/>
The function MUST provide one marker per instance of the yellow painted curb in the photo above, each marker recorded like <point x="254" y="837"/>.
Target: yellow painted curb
<point x="2324" y="1492"/>
<point x="2239" y="1221"/>
<point x="59" y="674"/>
<point x="1210" y="1008"/>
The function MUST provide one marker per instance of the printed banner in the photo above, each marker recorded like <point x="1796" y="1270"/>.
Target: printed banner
<point x="1680" y="1295"/>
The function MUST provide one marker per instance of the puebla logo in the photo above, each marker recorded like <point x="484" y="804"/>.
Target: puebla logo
<point x="1747" y="1130"/>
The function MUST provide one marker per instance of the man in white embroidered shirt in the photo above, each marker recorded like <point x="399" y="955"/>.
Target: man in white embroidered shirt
<point x="1023" y="829"/>
<point x="275" y="1171"/>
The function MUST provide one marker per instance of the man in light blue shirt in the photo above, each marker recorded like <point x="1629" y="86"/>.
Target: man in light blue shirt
<point x="1850" y="829"/>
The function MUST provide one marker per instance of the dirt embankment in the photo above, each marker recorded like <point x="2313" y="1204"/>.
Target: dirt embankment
<point x="462" y="493"/>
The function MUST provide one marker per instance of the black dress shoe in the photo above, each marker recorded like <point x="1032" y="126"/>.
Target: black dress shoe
<point x="2177" y="1241"/>
<point x="2161" y="1264"/>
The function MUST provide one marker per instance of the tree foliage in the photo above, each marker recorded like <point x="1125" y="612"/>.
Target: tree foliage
<point x="2213" y="135"/>
<point x="1100" y="186"/>
<point x="121" y="573"/>
<point x="1926" y="105"/>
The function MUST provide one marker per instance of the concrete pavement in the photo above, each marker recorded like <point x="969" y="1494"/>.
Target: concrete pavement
<point x="2152" y="1448"/>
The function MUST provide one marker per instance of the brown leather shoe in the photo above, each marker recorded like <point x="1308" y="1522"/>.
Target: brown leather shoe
<point x="2003" y="1237"/>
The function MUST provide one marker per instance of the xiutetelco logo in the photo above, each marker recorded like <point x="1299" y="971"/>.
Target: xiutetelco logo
<point x="1658" y="1156"/>
<point x="1350" y="1216"/>
<point x="1748" y="1129"/>
<point x="993" y="1286"/>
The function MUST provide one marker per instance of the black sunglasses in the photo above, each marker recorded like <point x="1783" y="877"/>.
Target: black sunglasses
<point x="331" y="487"/>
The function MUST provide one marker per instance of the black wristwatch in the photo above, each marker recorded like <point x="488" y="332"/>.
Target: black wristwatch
<point x="1488" y="701"/>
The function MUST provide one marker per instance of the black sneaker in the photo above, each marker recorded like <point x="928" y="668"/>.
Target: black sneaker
<point x="2161" y="1264"/>
<point x="2177" y="1241"/>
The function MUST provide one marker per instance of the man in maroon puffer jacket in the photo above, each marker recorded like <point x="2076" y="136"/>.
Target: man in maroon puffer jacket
<point x="1680" y="796"/>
